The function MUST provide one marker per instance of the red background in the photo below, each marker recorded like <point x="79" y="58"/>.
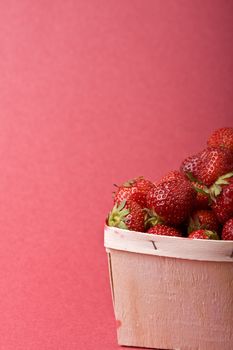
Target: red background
<point x="93" y="93"/>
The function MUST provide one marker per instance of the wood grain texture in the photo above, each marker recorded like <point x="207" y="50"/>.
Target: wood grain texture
<point x="168" y="303"/>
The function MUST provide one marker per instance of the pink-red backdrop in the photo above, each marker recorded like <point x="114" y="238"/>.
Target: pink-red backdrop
<point x="92" y="93"/>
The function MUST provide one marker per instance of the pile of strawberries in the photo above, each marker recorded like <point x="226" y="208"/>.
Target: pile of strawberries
<point x="194" y="202"/>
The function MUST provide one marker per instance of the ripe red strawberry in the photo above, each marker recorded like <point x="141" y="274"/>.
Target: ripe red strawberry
<point x="222" y="138"/>
<point x="171" y="201"/>
<point x="203" y="219"/>
<point x="172" y="175"/>
<point x="191" y="165"/>
<point x="227" y="232"/>
<point x="134" y="190"/>
<point x="164" y="230"/>
<point x="128" y="215"/>
<point x="203" y="234"/>
<point x="202" y="198"/>
<point x="223" y="203"/>
<point x="215" y="162"/>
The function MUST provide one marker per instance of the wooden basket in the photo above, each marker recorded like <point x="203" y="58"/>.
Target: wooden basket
<point x="171" y="292"/>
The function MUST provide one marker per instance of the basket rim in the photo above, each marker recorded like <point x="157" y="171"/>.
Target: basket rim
<point x="177" y="247"/>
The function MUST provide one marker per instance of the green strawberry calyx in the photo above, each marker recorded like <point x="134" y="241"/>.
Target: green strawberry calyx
<point x="203" y="190"/>
<point x="216" y="188"/>
<point x="214" y="191"/>
<point x="211" y="234"/>
<point x="118" y="216"/>
<point x="131" y="182"/>
<point x="152" y="218"/>
<point x="191" y="177"/>
<point x="194" y="180"/>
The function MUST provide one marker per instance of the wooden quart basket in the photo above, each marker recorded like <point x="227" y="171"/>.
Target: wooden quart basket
<point x="171" y="293"/>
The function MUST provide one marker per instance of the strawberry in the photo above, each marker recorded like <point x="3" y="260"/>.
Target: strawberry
<point x="202" y="198"/>
<point x="170" y="201"/>
<point x="164" y="230"/>
<point x="222" y="138"/>
<point x="134" y="190"/>
<point x="127" y="215"/>
<point x="172" y="175"/>
<point x="203" y="234"/>
<point x="223" y="203"/>
<point x="215" y="162"/>
<point x="191" y="165"/>
<point x="227" y="232"/>
<point x="203" y="219"/>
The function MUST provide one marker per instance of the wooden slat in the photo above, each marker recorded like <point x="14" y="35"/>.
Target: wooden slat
<point x="182" y="248"/>
<point x="168" y="303"/>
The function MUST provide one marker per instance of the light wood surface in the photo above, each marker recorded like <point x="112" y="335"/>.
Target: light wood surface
<point x="177" y="247"/>
<point x="164" y="302"/>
